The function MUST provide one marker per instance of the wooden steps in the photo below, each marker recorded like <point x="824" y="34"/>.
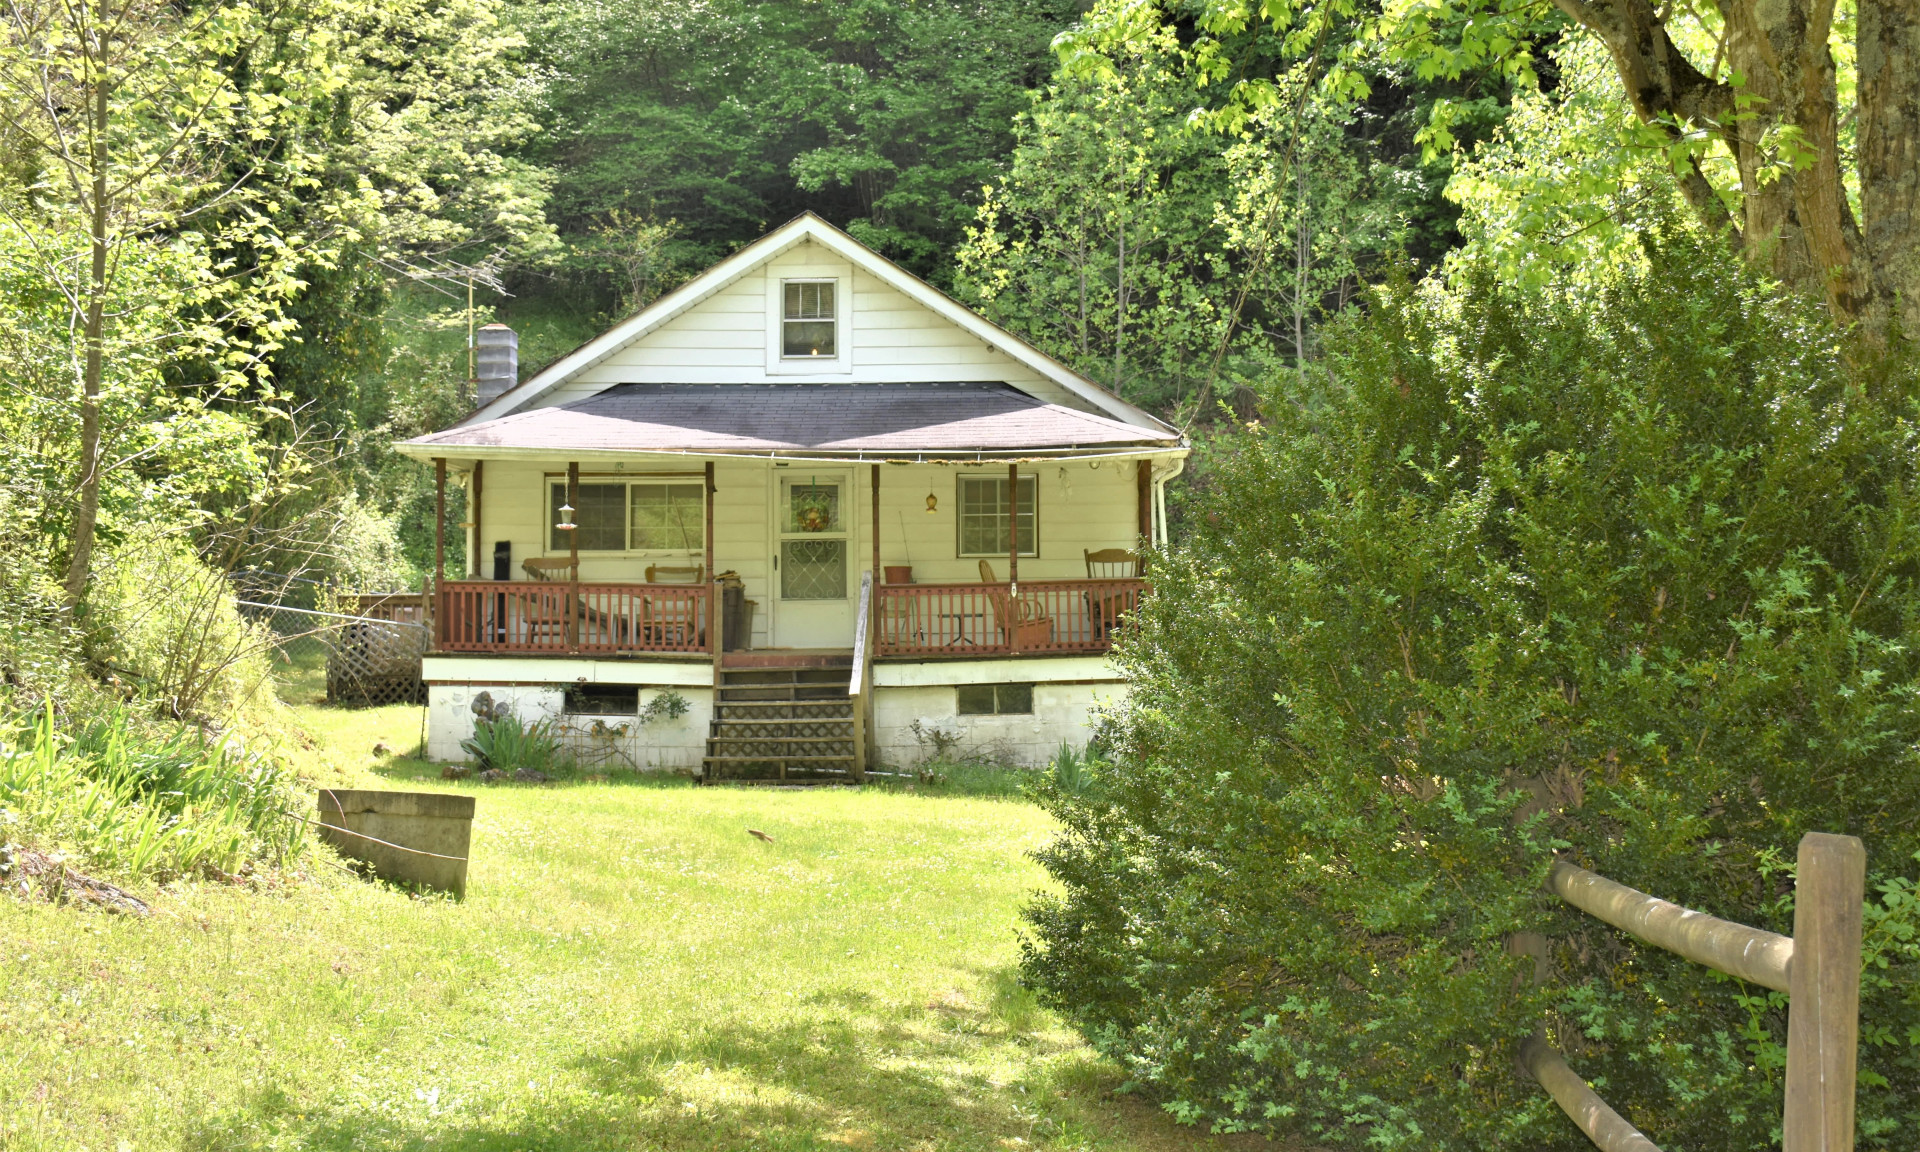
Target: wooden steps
<point x="792" y="723"/>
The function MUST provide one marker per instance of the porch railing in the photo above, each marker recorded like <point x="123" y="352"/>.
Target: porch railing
<point x="1045" y="617"/>
<point x="554" y="618"/>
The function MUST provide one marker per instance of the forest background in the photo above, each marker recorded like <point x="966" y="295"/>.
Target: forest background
<point x="1557" y="320"/>
<point x="240" y="272"/>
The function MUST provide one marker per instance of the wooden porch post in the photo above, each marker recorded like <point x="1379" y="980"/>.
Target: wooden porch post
<point x="473" y="514"/>
<point x="876" y="523"/>
<point x="716" y="627"/>
<point x="1143" y="483"/>
<point x="573" y="555"/>
<point x="439" y="520"/>
<point x="1013" y="528"/>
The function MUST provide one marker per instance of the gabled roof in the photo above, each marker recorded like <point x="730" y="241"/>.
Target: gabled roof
<point x="800" y="229"/>
<point x="859" y="420"/>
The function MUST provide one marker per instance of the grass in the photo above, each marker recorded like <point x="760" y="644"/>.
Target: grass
<point x="631" y="970"/>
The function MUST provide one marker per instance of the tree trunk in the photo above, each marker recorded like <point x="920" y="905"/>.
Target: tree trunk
<point x="1889" y="144"/>
<point x="1782" y="125"/>
<point x="87" y="479"/>
<point x="1798" y="221"/>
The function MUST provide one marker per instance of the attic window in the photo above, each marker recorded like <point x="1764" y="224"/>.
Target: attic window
<point x="807" y="328"/>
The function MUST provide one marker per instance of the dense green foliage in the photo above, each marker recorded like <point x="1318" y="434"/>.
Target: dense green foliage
<point x="1629" y="573"/>
<point x="1166" y="241"/>
<point x="729" y="118"/>
<point x="135" y="800"/>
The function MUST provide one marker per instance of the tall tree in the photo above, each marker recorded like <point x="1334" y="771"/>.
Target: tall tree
<point x="180" y="175"/>
<point x="1809" y="170"/>
<point x="1170" y="253"/>
<point x="119" y="112"/>
<point x="728" y="116"/>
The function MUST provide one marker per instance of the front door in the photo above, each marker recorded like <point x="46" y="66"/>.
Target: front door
<point x="813" y="560"/>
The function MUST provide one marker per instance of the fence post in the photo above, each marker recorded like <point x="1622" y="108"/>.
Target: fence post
<point x="1823" y="1008"/>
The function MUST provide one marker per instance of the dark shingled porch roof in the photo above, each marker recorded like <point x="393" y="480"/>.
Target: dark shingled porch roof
<point x="750" y="418"/>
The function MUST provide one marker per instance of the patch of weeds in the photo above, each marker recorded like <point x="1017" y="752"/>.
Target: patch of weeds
<point x="959" y="778"/>
<point x="665" y="705"/>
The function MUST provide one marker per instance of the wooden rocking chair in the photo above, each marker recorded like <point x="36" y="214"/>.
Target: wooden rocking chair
<point x="1104" y="608"/>
<point x="671" y="622"/>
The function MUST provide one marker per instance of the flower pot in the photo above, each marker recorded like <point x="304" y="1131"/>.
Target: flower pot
<point x="899" y="573"/>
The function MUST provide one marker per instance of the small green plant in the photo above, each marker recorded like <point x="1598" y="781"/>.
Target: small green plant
<point x="505" y="743"/>
<point x="1074" y="771"/>
<point x="665" y="705"/>
<point x="939" y="742"/>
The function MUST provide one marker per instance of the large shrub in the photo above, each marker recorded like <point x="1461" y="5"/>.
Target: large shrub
<point x="1630" y="574"/>
<point x="167" y="624"/>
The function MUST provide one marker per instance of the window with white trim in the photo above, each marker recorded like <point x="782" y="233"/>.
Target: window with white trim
<point x="630" y="516"/>
<point x="983" y="516"/>
<point x="809" y="320"/>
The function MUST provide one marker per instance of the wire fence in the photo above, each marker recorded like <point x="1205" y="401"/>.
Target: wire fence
<point x="360" y="658"/>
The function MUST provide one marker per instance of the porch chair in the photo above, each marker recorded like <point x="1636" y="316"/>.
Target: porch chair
<point x="1021" y="620"/>
<point x="545" y="614"/>
<point x="556" y="569"/>
<point x="1104" y="608"/>
<point x="1023" y="617"/>
<point x="548" y="567"/>
<point x="671" y="621"/>
<point x="1112" y="564"/>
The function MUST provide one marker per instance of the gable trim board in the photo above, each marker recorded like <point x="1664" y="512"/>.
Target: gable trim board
<point x="809" y="228"/>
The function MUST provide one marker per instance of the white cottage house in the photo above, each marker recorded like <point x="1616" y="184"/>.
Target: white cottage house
<point x="843" y="518"/>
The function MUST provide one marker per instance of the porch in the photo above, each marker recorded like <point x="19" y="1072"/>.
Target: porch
<point x="909" y="621"/>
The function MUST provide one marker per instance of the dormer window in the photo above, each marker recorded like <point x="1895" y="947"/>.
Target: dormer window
<point x="808" y="324"/>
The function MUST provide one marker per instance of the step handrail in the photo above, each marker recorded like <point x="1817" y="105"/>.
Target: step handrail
<point x="860" y="680"/>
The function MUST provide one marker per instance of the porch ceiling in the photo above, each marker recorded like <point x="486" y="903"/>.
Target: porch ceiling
<point x="869" y="419"/>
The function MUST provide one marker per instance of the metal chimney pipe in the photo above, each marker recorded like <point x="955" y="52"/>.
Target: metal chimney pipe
<point x="498" y="366"/>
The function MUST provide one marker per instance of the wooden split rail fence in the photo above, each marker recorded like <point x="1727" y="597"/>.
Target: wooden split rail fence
<point x="1818" y="967"/>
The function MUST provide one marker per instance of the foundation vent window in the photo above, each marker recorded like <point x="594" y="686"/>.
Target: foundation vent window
<point x="603" y="700"/>
<point x="995" y="699"/>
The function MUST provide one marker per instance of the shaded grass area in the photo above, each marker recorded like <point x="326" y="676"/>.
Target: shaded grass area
<point x="630" y="970"/>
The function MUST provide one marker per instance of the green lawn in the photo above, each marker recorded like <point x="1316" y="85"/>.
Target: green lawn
<point x="630" y="970"/>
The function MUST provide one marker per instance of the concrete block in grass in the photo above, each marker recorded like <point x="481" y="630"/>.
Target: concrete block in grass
<point x="416" y="838"/>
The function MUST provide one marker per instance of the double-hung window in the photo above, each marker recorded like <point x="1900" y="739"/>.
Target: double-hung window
<point x="666" y="517"/>
<point x="984" y="516"/>
<point x="630" y="516"/>
<point x="808" y="320"/>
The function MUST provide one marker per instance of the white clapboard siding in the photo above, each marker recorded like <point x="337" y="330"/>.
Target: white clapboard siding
<point x="723" y="340"/>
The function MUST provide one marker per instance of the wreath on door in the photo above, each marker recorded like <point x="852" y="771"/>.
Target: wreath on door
<point x="814" y="513"/>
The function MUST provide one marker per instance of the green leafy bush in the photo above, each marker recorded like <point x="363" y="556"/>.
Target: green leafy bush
<point x="505" y="743"/>
<point x="1632" y="573"/>
<point x="138" y="801"/>
<point x="167" y="624"/>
